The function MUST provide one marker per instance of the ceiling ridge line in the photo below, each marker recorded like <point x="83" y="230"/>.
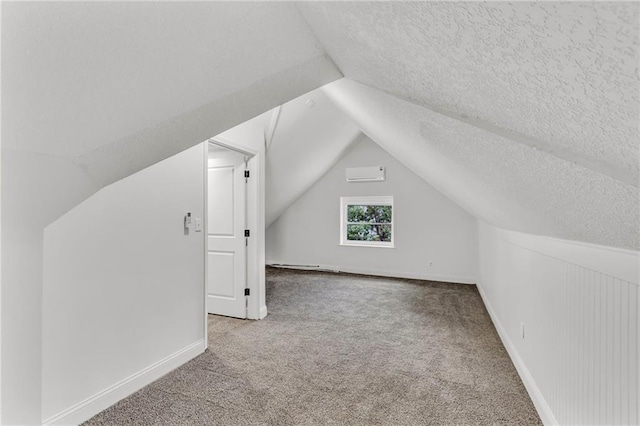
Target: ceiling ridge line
<point x="311" y="30"/>
<point x="630" y="177"/>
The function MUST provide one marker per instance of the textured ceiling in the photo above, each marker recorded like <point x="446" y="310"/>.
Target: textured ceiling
<point x="309" y="139"/>
<point x="511" y="185"/>
<point x="562" y="76"/>
<point x="108" y="88"/>
<point x="99" y="72"/>
<point x="525" y="114"/>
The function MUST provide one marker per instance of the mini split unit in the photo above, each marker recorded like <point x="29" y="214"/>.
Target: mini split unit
<point x="365" y="174"/>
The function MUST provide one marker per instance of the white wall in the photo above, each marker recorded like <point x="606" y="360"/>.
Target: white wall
<point x="428" y="226"/>
<point x="94" y="92"/>
<point x="114" y="87"/>
<point x="307" y="141"/>
<point x="579" y="305"/>
<point x="30" y="200"/>
<point x="123" y="286"/>
<point x="21" y="383"/>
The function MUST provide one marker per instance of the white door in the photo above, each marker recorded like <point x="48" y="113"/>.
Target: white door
<point x="226" y="245"/>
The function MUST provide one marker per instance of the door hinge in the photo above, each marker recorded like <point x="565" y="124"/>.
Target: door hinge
<point x="247" y="292"/>
<point x="247" y="233"/>
<point x="246" y="173"/>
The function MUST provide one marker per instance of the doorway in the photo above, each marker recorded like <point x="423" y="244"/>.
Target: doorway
<point x="230" y="205"/>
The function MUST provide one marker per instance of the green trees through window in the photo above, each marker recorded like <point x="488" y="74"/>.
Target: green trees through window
<point x="369" y="222"/>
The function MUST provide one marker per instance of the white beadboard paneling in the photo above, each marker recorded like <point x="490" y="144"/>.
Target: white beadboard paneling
<point x="581" y="320"/>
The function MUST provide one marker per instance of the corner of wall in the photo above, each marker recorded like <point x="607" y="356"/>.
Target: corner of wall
<point x="543" y="409"/>
<point x="579" y="303"/>
<point x="91" y="406"/>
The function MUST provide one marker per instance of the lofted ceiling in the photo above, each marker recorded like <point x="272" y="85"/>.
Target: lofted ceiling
<point x="310" y="135"/>
<point x="525" y="114"/>
<point x="510" y="185"/>
<point x="96" y="73"/>
<point x="108" y="88"/>
<point x="562" y="74"/>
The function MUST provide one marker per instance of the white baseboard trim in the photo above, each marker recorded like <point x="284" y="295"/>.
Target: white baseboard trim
<point x="544" y="411"/>
<point x="263" y="311"/>
<point x="377" y="272"/>
<point x="91" y="406"/>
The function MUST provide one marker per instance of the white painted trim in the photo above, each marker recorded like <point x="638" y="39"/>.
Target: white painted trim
<point x="275" y="115"/>
<point x="232" y="145"/>
<point x="263" y="311"/>
<point x="254" y="222"/>
<point x="572" y="242"/>
<point x="613" y="261"/>
<point x="380" y="200"/>
<point x="544" y="411"/>
<point x="455" y="279"/>
<point x="205" y="245"/>
<point x="1" y="246"/>
<point x="91" y="406"/>
<point x="253" y="247"/>
<point x="369" y="244"/>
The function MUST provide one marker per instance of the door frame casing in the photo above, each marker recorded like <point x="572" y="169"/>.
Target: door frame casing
<point x="256" y="307"/>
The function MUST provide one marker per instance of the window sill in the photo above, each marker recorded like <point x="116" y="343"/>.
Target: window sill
<point x="368" y="245"/>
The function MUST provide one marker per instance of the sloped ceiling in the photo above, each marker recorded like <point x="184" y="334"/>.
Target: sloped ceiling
<point x="511" y="185"/>
<point x="526" y="114"/>
<point x="108" y="88"/>
<point x="303" y="139"/>
<point x="311" y="135"/>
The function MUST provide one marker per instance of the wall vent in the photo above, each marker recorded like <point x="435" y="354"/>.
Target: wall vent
<point x="366" y="174"/>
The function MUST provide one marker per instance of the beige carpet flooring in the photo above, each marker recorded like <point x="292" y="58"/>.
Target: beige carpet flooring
<point x="340" y="349"/>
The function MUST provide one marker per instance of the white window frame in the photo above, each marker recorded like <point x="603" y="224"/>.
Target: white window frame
<point x="386" y="200"/>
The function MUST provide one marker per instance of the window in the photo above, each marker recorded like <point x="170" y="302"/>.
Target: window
<point x="366" y="221"/>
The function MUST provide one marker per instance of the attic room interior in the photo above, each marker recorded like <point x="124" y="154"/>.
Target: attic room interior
<point x="366" y="213"/>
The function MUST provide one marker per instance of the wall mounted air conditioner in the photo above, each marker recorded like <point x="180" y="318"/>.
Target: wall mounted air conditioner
<point x="365" y="174"/>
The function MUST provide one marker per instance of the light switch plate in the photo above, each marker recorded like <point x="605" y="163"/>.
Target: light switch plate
<point x="198" y="226"/>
